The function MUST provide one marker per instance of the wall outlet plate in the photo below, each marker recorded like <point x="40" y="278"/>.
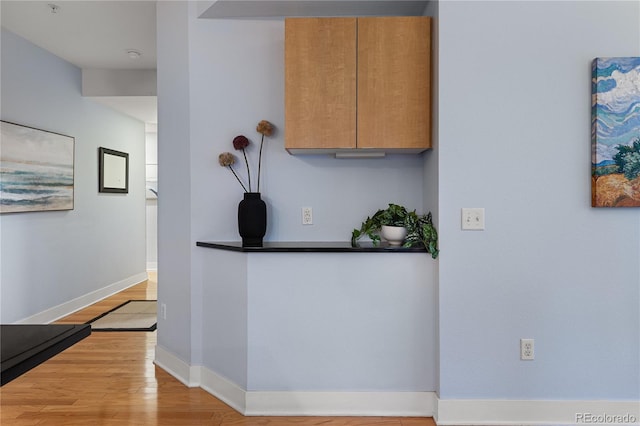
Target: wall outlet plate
<point x="163" y="311"/>
<point x="307" y="216"/>
<point x="526" y="350"/>
<point x="473" y="218"/>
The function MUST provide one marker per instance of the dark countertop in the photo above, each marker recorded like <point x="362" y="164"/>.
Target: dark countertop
<point x="309" y="247"/>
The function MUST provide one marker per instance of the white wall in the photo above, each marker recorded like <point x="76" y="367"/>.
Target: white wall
<point x="114" y="82"/>
<point x="514" y="138"/>
<point x="50" y="258"/>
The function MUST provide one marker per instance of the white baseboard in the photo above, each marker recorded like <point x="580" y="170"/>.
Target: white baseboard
<point x="64" y="309"/>
<point x="389" y="404"/>
<point x="257" y="403"/>
<point x="514" y="412"/>
<point x="182" y="371"/>
<point x="224" y="389"/>
<point x="152" y="266"/>
<point x="399" y="404"/>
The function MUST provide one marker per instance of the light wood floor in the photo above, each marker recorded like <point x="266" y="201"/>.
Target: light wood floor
<point x="109" y="379"/>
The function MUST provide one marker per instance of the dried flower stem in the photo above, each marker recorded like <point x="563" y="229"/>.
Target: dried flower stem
<point x="260" y="161"/>
<point x="234" y="173"/>
<point x="248" y="172"/>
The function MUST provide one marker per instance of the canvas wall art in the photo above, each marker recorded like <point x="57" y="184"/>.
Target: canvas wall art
<point x="36" y="169"/>
<point x="615" y="132"/>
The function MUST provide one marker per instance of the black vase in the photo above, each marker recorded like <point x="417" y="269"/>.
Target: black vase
<point x="252" y="219"/>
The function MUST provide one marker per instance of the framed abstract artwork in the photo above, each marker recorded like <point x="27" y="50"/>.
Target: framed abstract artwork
<point x="36" y="169"/>
<point x="113" y="171"/>
<point x="615" y="132"/>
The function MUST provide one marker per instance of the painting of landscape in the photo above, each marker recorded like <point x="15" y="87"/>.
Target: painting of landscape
<point x="615" y="130"/>
<point x="36" y="170"/>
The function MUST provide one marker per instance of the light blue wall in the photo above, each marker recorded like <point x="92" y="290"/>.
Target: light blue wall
<point x="174" y="181"/>
<point x="218" y="79"/>
<point x="49" y="258"/>
<point x="225" y="317"/>
<point x="431" y="159"/>
<point x="430" y="165"/>
<point x="341" y="322"/>
<point x="237" y="81"/>
<point x="514" y="131"/>
<point x="513" y="136"/>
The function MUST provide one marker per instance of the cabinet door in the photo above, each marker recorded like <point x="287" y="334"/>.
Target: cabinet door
<point x="394" y="76"/>
<point x="320" y="83"/>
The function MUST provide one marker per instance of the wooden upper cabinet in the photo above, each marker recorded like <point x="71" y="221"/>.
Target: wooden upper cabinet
<point x="358" y="83"/>
<point x="394" y="76"/>
<point x="320" y="83"/>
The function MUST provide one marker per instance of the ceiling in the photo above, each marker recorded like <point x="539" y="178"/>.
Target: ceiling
<point x="89" y="34"/>
<point x="98" y="34"/>
<point x="93" y="34"/>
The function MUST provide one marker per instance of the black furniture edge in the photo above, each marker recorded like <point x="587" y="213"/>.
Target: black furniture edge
<point x="309" y="247"/>
<point x="40" y="350"/>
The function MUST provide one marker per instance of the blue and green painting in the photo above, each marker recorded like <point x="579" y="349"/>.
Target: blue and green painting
<point x="615" y="132"/>
<point x="36" y="170"/>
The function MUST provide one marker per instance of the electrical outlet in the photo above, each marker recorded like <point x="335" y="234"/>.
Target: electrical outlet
<point x="307" y="216"/>
<point x="526" y="350"/>
<point x="473" y="219"/>
<point x="163" y="311"/>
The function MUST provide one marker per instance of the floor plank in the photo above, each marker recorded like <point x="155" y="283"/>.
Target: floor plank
<point x="109" y="379"/>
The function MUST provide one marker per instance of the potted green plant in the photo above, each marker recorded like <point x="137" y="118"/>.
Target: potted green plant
<point x="420" y="229"/>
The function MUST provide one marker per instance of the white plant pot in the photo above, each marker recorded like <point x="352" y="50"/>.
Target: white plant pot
<point x="394" y="235"/>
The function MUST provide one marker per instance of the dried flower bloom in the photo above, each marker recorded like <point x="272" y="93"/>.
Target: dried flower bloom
<point x="265" y="128"/>
<point x="226" y="159"/>
<point x="240" y="142"/>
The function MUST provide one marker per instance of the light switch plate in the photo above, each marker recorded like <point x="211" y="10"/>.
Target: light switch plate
<point x="473" y="219"/>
